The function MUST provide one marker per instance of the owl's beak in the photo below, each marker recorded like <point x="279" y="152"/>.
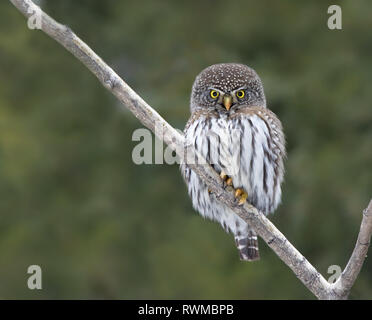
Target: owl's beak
<point x="227" y="102"/>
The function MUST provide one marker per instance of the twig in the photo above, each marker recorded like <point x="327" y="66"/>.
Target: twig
<point x="304" y="271"/>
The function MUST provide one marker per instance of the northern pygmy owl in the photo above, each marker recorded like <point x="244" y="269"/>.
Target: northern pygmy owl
<point x="231" y="127"/>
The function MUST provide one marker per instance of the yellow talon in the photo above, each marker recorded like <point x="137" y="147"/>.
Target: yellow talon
<point x="243" y="198"/>
<point x="229" y="182"/>
<point x="238" y="192"/>
<point x="223" y="175"/>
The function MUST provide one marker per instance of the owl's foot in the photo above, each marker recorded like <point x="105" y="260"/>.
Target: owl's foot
<point x="241" y="195"/>
<point x="226" y="178"/>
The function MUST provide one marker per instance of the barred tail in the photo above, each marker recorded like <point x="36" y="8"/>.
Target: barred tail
<point x="248" y="247"/>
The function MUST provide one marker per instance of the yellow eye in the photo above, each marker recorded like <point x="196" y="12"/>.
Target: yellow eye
<point x="214" y="94"/>
<point x="240" y="94"/>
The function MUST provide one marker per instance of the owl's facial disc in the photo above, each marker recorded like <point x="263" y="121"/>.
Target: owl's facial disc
<point x="223" y="99"/>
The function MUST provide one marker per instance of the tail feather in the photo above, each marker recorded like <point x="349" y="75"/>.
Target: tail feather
<point x="248" y="247"/>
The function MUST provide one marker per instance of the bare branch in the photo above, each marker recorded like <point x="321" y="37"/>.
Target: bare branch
<point x="351" y="272"/>
<point x="304" y="271"/>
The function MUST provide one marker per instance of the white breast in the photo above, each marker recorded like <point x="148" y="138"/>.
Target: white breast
<point x="242" y="149"/>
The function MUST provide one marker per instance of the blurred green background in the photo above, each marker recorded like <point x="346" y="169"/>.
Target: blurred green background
<point x="72" y="200"/>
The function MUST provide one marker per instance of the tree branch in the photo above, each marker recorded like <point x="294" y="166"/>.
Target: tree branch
<point x="304" y="271"/>
<point x="351" y="272"/>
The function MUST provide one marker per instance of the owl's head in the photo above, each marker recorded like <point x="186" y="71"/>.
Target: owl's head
<point x="227" y="87"/>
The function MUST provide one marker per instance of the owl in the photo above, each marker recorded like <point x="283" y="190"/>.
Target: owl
<point x="233" y="130"/>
